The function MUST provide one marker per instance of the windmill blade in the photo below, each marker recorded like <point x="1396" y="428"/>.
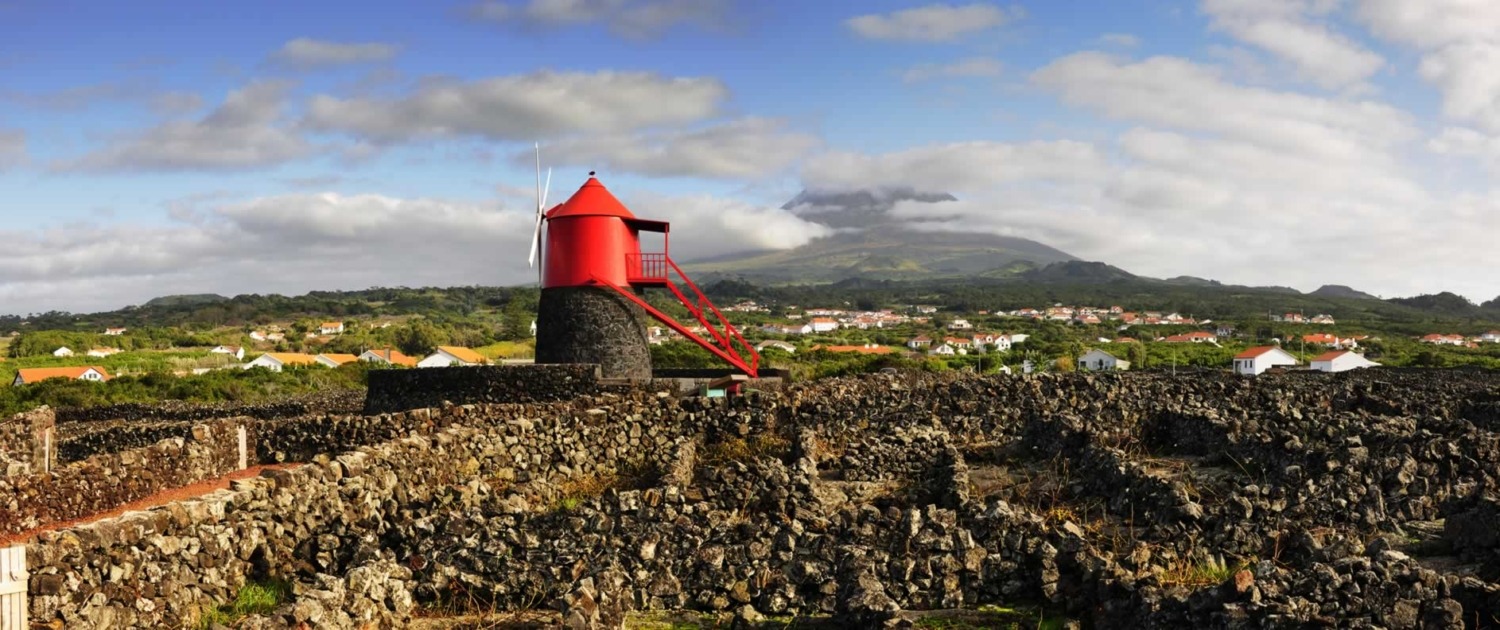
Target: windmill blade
<point x="536" y="234"/>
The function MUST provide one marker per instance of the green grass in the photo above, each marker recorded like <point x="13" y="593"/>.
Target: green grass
<point x="254" y="598"/>
<point x="508" y="350"/>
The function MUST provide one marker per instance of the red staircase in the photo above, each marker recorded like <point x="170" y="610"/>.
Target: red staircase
<point x="655" y="270"/>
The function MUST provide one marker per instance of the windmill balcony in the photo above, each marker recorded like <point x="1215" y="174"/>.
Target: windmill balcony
<point x="647" y="268"/>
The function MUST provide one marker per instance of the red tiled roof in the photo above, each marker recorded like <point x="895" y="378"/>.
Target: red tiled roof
<point x="32" y="375"/>
<point x="1329" y="356"/>
<point x="1255" y="352"/>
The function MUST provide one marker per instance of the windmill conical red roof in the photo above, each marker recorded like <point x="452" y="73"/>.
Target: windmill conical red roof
<point x="592" y="199"/>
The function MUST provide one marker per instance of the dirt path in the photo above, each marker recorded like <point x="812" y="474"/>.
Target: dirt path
<point x="161" y="498"/>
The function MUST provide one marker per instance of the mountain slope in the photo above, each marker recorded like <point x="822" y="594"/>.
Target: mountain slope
<point x="1341" y="291"/>
<point x="871" y="242"/>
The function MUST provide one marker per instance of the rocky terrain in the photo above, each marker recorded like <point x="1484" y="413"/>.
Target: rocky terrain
<point x="1114" y="501"/>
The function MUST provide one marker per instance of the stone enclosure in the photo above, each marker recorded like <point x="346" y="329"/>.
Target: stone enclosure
<point x="1116" y="501"/>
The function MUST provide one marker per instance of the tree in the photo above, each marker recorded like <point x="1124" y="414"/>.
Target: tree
<point x="1135" y="353"/>
<point x="418" y="338"/>
<point x="516" y="321"/>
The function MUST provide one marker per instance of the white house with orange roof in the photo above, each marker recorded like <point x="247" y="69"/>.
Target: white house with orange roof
<point x="1341" y="361"/>
<point x="26" y="376"/>
<point x="446" y="356"/>
<point x="919" y="342"/>
<point x="1256" y="361"/>
<point x="1492" y="336"/>
<point x="331" y="328"/>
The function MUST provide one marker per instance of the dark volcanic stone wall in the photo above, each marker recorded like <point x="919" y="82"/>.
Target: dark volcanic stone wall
<point x="1102" y="496"/>
<point x="399" y="390"/>
<point x="330" y="402"/>
<point x="592" y="325"/>
<point x="105" y="481"/>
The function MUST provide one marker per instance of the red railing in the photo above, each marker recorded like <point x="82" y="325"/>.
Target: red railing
<point x="651" y="267"/>
<point x="657" y="269"/>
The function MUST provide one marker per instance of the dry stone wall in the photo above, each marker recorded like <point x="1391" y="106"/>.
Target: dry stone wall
<point x="400" y="390"/>
<point x="104" y="481"/>
<point x="1124" y="501"/>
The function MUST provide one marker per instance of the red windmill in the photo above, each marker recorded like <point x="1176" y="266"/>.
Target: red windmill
<point x="593" y="250"/>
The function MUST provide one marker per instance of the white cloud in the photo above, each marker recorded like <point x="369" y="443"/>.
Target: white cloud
<point x="1460" y="42"/>
<point x="971" y="67"/>
<point x="1175" y="92"/>
<point x="1295" y="31"/>
<point x="299" y="242"/>
<point x="524" y="107"/>
<point x="1241" y="184"/>
<point x="740" y="149"/>
<point x="245" y="131"/>
<point x="931" y="23"/>
<point x="705" y="226"/>
<point x="306" y="52"/>
<point x="957" y="166"/>
<point x="12" y="147"/>
<point x="629" y="18"/>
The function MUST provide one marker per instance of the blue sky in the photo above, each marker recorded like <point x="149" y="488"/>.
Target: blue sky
<point x="173" y="147"/>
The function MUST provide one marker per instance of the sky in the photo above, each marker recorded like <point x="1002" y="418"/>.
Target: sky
<point x="177" y="147"/>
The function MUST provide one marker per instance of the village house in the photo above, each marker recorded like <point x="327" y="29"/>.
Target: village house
<point x="237" y="352"/>
<point x="1098" y="360"/>
<point x="1323" y="319"/>
<point x="275" y="336"/>
<point x="960" y="324"/>
<point x="945" y="350"/>
<point x="959" y="342"/>
<point x="1445" y="340"/>
<point x="1330" y="341"/>
<point x="102" y="352"/>
<point x="1492" y="336"/>
<point x="335" y="360"/>
<point x="62" y="352"/>
<point x="446" y="356"/>
<point x="114" y="332"/>
<point x="1341" y="361"/>
<point x="331" y="328"/>
<point x="788" y="329"/>
<point x="779" y="345"/>
<point x="824" y="324"/>
<point x="1224" y="331"/>
<point x="1256" y="361"/>
<point x="1193" y="337"/>
<point x="27" y="376"/>
<point x="1294" y="318"/>
<point x="388" y="356"/>
<point x="927" y="310"/>
<point x="276" y="361"/>
<point x="919" y="342"/>
<point x="257" y="335"/>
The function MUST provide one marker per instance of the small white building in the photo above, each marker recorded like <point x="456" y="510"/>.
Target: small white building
<point x="331" y="328"/>
<point x="237" y="352"/>
<point x="62" y="352"/>
<point x="824" y="324"/>
<point x="1018" y="337"/>
<point x="26" y="376"/>
<point x="388" y="356"/>
<point x="1492" y="336"/>
<point x="114" y="332"/>
<point x="103" y="352"/>
<point x="919" y="342"/>
<point x="779" y="345"/>
<point x="1097" y="360"/>
<point x="945" y="350"/>
<point x="276" y="361"/>
<point x="335" y="360"/>
<point x="1341" y="361"/>
<point x="257" y="335"/>
<point x="960" y="324"/>
<point x="1256" y="361"/>
<point x="447" y="356"/>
